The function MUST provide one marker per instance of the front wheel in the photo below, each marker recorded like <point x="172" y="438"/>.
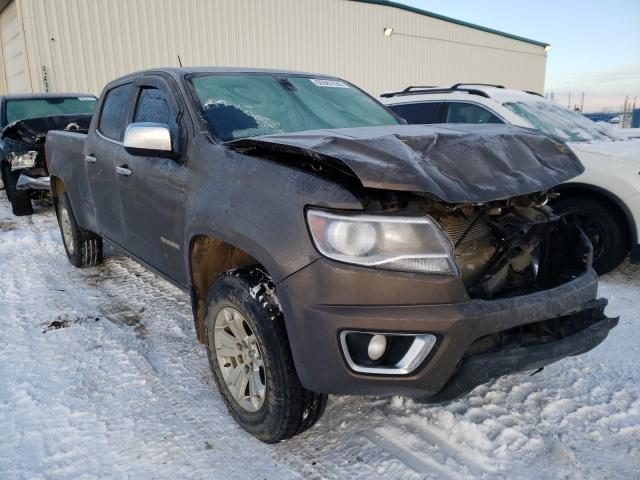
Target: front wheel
<point x="20" y="199"/>
<point x="601" y="226"/>
<point x="251" y="361"/>
<point x="84" y="248"/>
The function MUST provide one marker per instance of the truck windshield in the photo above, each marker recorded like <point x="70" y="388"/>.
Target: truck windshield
<point x="560" y="122"/>
<point x="44" y="107"/>
<point x="241" y="106"/>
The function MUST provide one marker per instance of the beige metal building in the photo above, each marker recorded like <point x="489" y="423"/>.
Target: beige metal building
<point x="79" y="45"/>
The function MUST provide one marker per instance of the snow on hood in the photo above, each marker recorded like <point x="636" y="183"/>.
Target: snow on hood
<point x="455" y="163"/>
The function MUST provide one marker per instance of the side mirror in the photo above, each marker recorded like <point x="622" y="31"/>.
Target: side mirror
<point x="148" y="137"/>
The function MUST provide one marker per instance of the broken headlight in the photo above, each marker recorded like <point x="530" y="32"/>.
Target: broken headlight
<point x="25" y="160"/>
<point x="405" y="243"/>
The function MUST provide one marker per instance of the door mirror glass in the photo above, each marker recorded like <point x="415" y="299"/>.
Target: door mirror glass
<point x="148" y="137"/>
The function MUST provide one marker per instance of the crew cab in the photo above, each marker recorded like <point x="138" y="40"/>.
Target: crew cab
<point x="604" y="200"/>
<point x="328" y="247"/>
<point x="25" y="120"/>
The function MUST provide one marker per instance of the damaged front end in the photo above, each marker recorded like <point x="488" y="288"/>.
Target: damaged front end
<point x="513" y="247"/>
<point x="23" y="142"/>
<point x="517" y="250"/>
<point x="519" y="292"/>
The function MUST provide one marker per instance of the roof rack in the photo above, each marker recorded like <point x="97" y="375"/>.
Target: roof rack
<point x="533" y="93"/>
<point x="458" y="85"/>
<point x="415" y="87"/>
<point x="428" y="90"/>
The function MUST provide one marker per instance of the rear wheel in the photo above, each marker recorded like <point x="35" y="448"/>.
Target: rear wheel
<point x="84" y="248"/>
<point x="251" y="360"/>
<point x="20" y="199"/>
<point x="602" y="226"/>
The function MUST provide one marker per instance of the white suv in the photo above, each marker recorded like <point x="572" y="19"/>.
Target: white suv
<point x="604" y="200"/>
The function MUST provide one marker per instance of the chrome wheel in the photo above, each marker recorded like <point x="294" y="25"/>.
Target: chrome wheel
<point x="65" y="225"/>
<point x="239" y="359"/>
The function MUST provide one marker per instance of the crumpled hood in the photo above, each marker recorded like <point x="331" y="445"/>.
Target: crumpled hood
<point x="456" y="163"/>
<point x="31" y="130"/>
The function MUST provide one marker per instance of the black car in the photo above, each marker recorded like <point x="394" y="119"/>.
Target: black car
<point x="24" y="122"/>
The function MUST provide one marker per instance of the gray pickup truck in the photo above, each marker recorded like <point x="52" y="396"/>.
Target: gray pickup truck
<point x="327" y="246"/>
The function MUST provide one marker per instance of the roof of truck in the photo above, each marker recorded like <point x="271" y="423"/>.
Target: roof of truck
<point x="181" y="71"/>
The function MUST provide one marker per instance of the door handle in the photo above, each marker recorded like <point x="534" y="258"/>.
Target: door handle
<point x="90" y="158"/>
<point x="123" y="170"/>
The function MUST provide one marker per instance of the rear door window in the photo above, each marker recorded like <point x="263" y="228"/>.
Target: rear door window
<point x="112" y="116"/>
<point x="419" y="113"/>
<point x="460" y="112"/>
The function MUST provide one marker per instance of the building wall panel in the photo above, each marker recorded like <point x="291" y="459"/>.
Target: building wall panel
<point x="14" y="55"/>
<point x="83" y="44"/>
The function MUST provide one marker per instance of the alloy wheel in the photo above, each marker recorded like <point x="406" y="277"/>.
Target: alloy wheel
<point x="65" y="224"/>
<point x="239" y="359"/>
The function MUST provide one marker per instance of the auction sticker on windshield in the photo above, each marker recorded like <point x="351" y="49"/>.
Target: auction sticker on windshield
<point x="321" y="82"/>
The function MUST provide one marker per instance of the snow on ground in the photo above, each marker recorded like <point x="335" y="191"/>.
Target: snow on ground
<point x="101" y="377"/>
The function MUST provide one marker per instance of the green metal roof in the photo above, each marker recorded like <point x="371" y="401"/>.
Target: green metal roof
<point x="419" y="11"/>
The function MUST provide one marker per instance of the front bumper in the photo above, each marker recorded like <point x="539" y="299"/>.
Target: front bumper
<point x="26" y="182"/>
<point x="320" y="301"/>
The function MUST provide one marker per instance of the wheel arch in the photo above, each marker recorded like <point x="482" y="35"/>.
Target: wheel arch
<point x="608" y="198"/>
<point x="209" y="257"/>
<point x="57" y="189"/>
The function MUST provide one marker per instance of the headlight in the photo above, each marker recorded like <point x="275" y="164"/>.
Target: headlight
<point x="412" y="244"/>
<point x="26" y="160"/>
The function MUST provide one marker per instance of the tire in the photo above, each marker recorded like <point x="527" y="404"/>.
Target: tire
<point x="4" y="177"/>
<point x="245" y="298"/>
<point x="20" y="199"/>
<point x="84" y="248"/>
<point x="603" y="227"/>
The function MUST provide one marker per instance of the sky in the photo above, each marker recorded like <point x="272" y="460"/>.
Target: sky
<point x="595" y="45"/>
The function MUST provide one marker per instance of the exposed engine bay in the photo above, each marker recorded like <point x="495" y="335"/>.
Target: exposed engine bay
<point x="509" y="247"/>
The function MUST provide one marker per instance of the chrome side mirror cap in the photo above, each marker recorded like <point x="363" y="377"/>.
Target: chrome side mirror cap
<point x="148" y="136"/>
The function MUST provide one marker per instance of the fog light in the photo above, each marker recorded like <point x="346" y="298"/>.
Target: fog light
<point x="377" y="347"/>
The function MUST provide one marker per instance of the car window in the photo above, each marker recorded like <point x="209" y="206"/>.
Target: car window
<point x="459" y="112"/>
<point x="113" y="111"/>
<point x="559" y="122"/>
<point x="44" y="107"/>
<point x="417" y="113"/>
<point x="152" y="106"/>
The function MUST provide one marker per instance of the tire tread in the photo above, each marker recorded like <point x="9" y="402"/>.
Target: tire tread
<point x="300" y="408"/>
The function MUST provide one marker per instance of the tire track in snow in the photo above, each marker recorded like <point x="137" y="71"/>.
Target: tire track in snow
<point x="436" y="441"/>
<point x="494" y="432"/>
<point x="417" y="462"/>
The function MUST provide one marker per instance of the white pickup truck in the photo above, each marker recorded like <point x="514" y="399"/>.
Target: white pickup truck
<point x="605" y="199"/>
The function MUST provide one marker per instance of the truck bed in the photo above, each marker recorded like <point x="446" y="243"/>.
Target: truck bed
<point x="65" y="159"/>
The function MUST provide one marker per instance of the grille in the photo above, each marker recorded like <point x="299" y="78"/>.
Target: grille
<point x="473" y="244"/>
<point x="455" y="228"/>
